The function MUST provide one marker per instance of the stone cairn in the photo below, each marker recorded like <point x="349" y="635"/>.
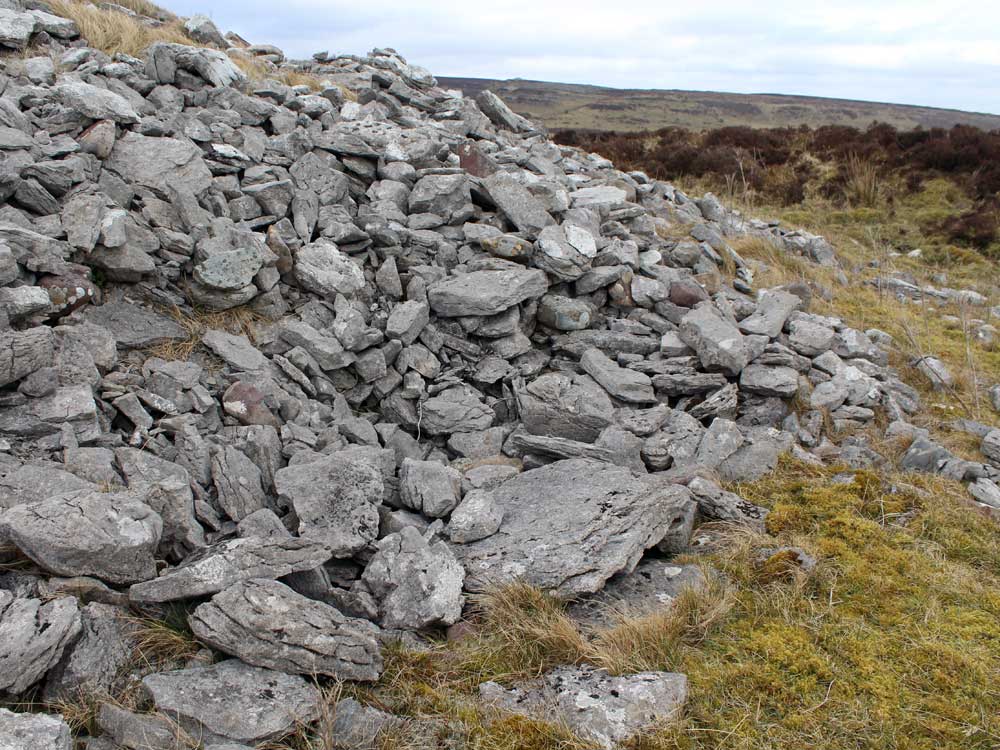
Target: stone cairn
<point x="463" y="356"/>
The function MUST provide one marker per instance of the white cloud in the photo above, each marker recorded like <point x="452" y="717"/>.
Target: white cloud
<point x="908" y="51"/>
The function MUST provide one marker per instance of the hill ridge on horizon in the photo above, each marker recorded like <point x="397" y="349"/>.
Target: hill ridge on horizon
<point x="594" y="107"/>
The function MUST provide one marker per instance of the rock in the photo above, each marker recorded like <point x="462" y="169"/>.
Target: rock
<point x="576" y="409"/>
<point x="808" y="338"/>
<point x="322" y="269"/>
<point x="416" y="584"/>
<point x="24" y="731"/>
<point x="485" y="292"/>
<point x="96" y="103"/>
<point x="596" y="518"/>
<point x="936" y="372"/>
<point x="985" y="491"/>
<point x="782" y="382"/>
<point x="71" y="408"/>
<point x="246" y="403"/>
<point x="600" y="708"/>
<point x="625" y="385"/>
<point x="237" y="351"/>
<point x="141" y="731"/>
<point x="429" y="487"/>
<point x="407" y="320"/>
<point x="104" y="651"/>
<point x="563" y="313"/>
<point x="218" y="567"/>
<point x="475" y="518"/>
<point x="650" y="588"/>
<point x="716" y="503"/>
<point x="336" y="500"/>
<point x="164" y="60"/>
<point x="718" y="343"/>
<point x="454" y="410"/>
<point x="110" y="536"/>
<point x="991" y="446"/>
<point x="158" y="163"/>
<point x="234" y="701"/>
<point x="500" y="114"/>
<point x="445" y="195"/>
<point x="134" y="327"/>
<point x="16" y="28"/>
<point x="33" y="637"/>
<point x="238" y="483"/>
<point x="230" y="270"/>
<point x="520" y="207"/>
<point x="24" y="352"/>
<point x="773" y="309"/>
<point x="995" y="397"/>
<point x="200" y="28"/>
<point x="266" y="624"/>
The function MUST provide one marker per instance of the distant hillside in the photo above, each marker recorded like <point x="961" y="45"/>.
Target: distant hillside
<point x="565" y="105"/>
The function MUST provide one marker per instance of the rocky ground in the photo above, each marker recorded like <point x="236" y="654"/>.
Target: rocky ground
<point x="309" y="368"/>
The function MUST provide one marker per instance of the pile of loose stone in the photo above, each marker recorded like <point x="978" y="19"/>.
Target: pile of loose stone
<point x="476" y="357"/>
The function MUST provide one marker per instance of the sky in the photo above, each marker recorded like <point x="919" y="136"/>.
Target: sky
<point x="926" y="52"/>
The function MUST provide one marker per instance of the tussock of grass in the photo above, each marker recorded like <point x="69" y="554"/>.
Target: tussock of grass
<point x="240" y="321"/>
<point x="863" y="186"/>
<point x="164" y="642"/>
<point x="521" y="632"/>
<point x="779" y="267"/>
<point x="655" y="641"/>
<point x="894" y="642"/>
<point x="114" y="32"/>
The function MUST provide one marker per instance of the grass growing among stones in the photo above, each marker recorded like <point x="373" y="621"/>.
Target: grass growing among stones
<point x="115" y="32"/>
<point x="893" y="641"/>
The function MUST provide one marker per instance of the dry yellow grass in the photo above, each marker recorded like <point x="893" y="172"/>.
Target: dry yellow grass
<point x="238" y="321"/>
<point x="113" y="32"/>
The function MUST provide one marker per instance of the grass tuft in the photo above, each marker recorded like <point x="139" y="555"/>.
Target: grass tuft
<point x="114" y="32"/>
<point x="237" y="321"/>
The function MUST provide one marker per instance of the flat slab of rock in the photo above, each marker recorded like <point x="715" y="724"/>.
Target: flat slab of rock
<point x="219" y="567"/>
<point x="569" y="526"/>
<point x="110" y="536"/>
<point x="718" y="343"/>
<point x="651" y="587"/>
<point x="24" y="352"/>
<point x="624" y="384"/>
<point x="157" y="163"/>
<point x="33" y="636"/>
<point x="265" y="623"/>
<point x="595" y="705"/>
<point x="523" y="209"/>
<point x="573" y="408"/>
<point x="33" y="732"/>
<point x="234" y="701"/>
<point x="485" y="292"/>
<point x="135" y="327"/>
<point x="336" y="499"/>
<point x="417" y="584"/>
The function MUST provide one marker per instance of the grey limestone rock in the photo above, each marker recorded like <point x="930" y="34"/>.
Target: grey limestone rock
<point x="24" y="731"/>
<point x="624" y="384"/>
<point x="597" y="520"/>
<point x="267" y="624"/>
<point x="234" y="701"/>
<point x="718" y="342"/>
<point x="417" y="584"/>
<point x="336" y="499"/>
<point x="574" y="408"/>
<point x="600" y="708"/>
<point x="110" y="536"/>
<point x="429" y="487"/>
<point x="220" y="566"/>
<point x="322" y="269"/>
<point x="485" y="292"/>
<point x="135" y="327"/>
<point x="33" y="636"/>
<point x="475" y="518"/>
<point x="24" y="352"/>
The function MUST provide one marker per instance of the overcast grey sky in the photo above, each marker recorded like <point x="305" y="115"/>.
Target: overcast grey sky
<point x="944" y="54"/>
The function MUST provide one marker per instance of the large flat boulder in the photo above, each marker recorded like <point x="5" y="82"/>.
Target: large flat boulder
<point x="233" y="701"/>
<point x="569" y="526"/>
<point x="597" y="706"/>
<point x="110" y="536"/>
<point x="220" y="566"/>
<point x="33" y="636"/>
<point x="267" y="624"/>
<point x="485" y="292"/>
